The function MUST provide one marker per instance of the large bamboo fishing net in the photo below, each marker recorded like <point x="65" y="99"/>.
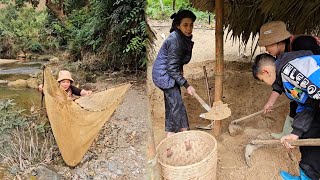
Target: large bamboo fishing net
<point x="75" y="124"/>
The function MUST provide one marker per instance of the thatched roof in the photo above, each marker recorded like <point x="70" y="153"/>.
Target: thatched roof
<point x="243" y="17"/>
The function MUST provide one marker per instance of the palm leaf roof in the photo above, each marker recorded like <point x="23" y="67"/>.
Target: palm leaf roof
<point x="243" y="17"/>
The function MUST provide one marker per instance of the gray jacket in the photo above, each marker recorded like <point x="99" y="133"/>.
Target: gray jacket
<point x="175" y="52"/>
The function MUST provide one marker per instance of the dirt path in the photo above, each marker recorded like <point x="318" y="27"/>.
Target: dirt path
<point x="245" y="96"/>
<point x="119" y="150"/>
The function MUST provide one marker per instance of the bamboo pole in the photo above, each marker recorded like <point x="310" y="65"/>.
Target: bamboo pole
<point x="219" y="65"/>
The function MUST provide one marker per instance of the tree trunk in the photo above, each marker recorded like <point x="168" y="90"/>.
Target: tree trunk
<point x="174" y="5"/>
<point x="56" y="9"/>
<point x="162" y="8"/>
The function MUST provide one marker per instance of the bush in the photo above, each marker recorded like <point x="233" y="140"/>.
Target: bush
<point x="25" y="29"/>
<point x="154" y="10"/>
<point x="23" y="142"/>
<point x="113" y="31"/>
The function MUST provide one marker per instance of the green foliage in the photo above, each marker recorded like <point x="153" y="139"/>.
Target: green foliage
<point x="23" y="142"/>
<point x="25" y="29"/>
<point x="10" y="117"/>
<point x="111" y="32"/>
<point x="115" y="31"/>
<point x="154" y="10"/>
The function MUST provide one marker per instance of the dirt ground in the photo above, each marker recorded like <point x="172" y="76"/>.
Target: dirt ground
<point x="118" y="152"/>
<point x="244" y="96"/>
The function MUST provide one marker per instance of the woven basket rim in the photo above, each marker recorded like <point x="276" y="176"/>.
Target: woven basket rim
<point x="187" y="166"/>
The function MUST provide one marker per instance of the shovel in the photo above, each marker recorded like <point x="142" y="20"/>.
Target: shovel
<point x="235" y="129"/>
<point x="201" y="101"/>
<point x="206" y="107"/>
<point x="218" y="111"/>
<point x="255" y="144"/>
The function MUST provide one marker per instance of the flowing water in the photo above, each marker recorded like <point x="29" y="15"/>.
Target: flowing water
<point x="23" y="97"/>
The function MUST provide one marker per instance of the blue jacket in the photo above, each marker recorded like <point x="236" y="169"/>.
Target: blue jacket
<point x="298" y="76"/>
<point x="175" y="52"/>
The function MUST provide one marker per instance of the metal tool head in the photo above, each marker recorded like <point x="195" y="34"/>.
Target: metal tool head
<point x="234" y="129"/>
<point x="250" y="148"/>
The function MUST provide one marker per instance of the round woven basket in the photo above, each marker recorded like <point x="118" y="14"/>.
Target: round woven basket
<point x="199" y="162"/>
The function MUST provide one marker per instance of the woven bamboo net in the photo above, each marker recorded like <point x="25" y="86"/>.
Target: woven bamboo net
<point x="75" y="124"/>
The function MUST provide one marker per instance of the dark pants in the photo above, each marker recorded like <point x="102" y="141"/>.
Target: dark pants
<point x="293" y="109"/>
<point x="176" y="114"/>
<point x="310" y="155"/>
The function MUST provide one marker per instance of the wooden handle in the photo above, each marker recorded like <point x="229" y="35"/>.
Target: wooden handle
<point x="204" y="105"/>
<point x="299" y="142"/>
<point x="256" y="113"/>
<point x="207" y="84"/>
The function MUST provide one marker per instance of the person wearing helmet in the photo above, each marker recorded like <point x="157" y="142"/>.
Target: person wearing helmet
<point x="275" y="37"/>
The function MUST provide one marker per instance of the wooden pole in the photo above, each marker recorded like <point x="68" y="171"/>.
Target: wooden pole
<point x="152" y="166"/>
<point x="207" y="85"/>
<point x="219" y="65"/>
<point x="174" y="5"/>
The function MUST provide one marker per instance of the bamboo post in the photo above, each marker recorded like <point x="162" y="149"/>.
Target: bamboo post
<point x="219" y="65"/>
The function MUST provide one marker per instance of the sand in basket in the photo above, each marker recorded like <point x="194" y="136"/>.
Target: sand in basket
<point x="75" y="124"/>
<point x="199" y="162"/>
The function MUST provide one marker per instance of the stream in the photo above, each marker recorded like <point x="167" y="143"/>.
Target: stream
<point x="23" y="97"/>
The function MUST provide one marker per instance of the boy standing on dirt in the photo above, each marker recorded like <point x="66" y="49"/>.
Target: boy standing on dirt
<point x="277" y="40"/>
<point x="297" y="74"/>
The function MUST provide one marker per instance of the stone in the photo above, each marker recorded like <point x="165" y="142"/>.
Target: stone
<point x="80" y="174"/>
<point x="119" y="172"/>
<point x="100" y="177"/>
<point x="45" y="57"/>
<point x="20" y="83"/>
<point x="4" y="82"/>
<point x="54" y="60"/>
<point x="112" y="166"/>
<point x="32" y="83"/>
<point x="14" y="169"/>
<point x="43" y="173"/>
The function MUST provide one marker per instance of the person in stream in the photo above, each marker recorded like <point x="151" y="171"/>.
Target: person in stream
<point x="297" y="74"/>
<point x="277" y="40"/>
<point x="167" y="71"/>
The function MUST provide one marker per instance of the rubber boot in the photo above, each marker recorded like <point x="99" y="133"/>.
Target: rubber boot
<point x="287" y="176"/>
<point x="303" y="176"/>
<point x="285" y="130"/>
